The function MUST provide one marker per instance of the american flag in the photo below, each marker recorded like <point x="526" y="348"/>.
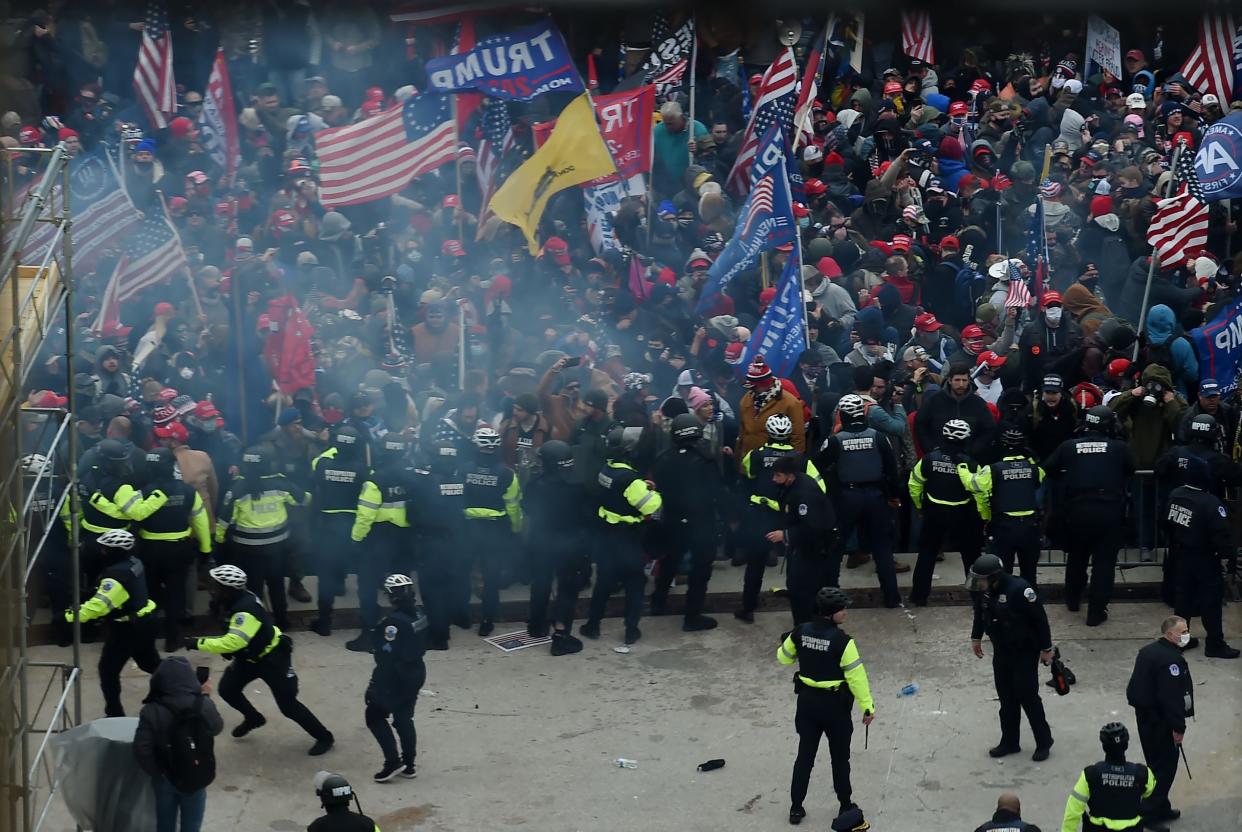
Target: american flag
<point x="376" y="157"/>
<point x="671" y="76"/>
<point x="1210" y="67"/>
<point x="153" y="75"/>
<point x="496" y="144"/>
<point x="760" y="203"/>
<point x="916" y="36"/>
<point x="1018" y="296"/>
<point x="774" y="104"/>
<point x="812" y="76"/>
<point x="152" y="255"/>
<point x="1178" y="231"/>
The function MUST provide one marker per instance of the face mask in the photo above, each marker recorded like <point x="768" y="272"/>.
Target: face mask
<point x="1183" y="639"/>
<point x="186" y="373"/>
<point x="1057" y="82"/>
<point x="1053" y="315"/>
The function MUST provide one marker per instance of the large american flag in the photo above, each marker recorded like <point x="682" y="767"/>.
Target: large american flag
<point x="497" y="141"/>
<point x="152" y="255"/>
<point x="916" y="36"/>
<point x="760" y="203"/>
<point x="1210" y="67"/>
<point x="376" y="157"/>
<point x="153" y="75"/>
<point x="774" y="103"/>
<point x="1179" y="229"/>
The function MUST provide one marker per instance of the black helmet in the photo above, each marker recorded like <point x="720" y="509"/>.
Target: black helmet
<point x="347" y="440"/>
<point x="984" y="567"/>
<point x="333" y="789"/>
<point x="443" y="458"/>
<point x="831" y="600"/>
<point x="1115" y="738"/>
<point x="1012" y="437"/>
<point x="622" y="441"/>
<point x="394" y="447"/>
<point x="555" y="454"/>
<point x="1099" y="419"/>
<point x="254" y="460"/>
<point x="1203" y="429"/>
<point x="160" y="463"/>
<point x="686" y="429"/>
<point x="114" y="450"/>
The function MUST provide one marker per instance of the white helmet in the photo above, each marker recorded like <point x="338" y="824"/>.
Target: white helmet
<point x="228" y="575"/>
<point x="116" y="539"/>
<point x="956" y="430"/>
<point x="394" y="581"/>
<point x="779" y="426"/>
<point x="486" y="439"/>
<point x="852" y="407"/>
<point x="35" y="464"/>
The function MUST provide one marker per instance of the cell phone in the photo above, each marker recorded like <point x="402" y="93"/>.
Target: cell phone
<point x="573" y="362"/>
<point x="203" y="673"/>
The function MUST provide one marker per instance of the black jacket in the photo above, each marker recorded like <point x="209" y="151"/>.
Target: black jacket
<point x="807" y="513"/>
<point x="1012" y="616"/>
<point x="1161" y="684"/>
<point x="174" y="689"/>
<point x="940" y="408"/>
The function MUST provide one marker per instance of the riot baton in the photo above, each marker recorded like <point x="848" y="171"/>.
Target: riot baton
<point x="1182" y="749"/>
<point x="867" y="739"/>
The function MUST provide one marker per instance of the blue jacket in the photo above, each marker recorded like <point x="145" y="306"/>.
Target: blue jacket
<point x="1162" y="330"/>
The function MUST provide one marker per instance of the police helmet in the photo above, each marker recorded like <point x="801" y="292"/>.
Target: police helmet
<point x="1099" y="419"/>
<point x="686" y="429"/>
<point x="333" y="789"/>
<point x="346" y="439"/>
<point x="956" y="430"/>
<point x="394" y="446"/>
<point x="621" y="440"/>
<point x="778" y="426"/>
<point x="487" y="440"/>
<point x="853" y="410"/>
<point x="35" y="464"/>
<point x="982" y="571"/>
<point x="160" y="462"/>
<point x="1203" y="429"/>
<point x="635" y="381"/>
<point x="1115" y="738"/>
<point x="119" y="539"/>
<point x="228" y="575"/>
<point x="442" y="458"/>
<point x="851" y="820"/>
<point x="114" y="450"/>
<point x="556" y="454"/>
<point x="399" y="586"/>
<point x="254" y="460"/>
<point x="1012" y="437"/>
<point x="830" y="600"/>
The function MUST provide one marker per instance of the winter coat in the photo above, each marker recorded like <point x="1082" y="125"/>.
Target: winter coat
<point x="1048" y="427"/>
<point x="174" y="689"/>
<point x="1085" y="308"/>
<point x="940" y="408"/>
<point x="1162" y="330"/>
<point x="1150" y="429"/>
<point x="753" y="432"/>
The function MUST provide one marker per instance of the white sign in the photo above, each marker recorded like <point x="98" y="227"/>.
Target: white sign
<point x="1103" y="45"/>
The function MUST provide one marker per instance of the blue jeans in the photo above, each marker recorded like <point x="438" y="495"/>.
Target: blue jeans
<point x="169" y="802"/>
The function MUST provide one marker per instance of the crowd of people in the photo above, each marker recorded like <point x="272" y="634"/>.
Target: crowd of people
<point x="470" y="413"/>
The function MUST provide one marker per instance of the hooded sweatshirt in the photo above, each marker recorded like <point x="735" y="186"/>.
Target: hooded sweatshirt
<point x="1088" y="310"/>
<point x="1071" y="128"/>
<point x="1162" y="335"/>
<point x="1150" y="428"/>
<point x="174" y="689"/>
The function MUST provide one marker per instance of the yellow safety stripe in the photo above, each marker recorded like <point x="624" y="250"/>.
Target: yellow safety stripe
<point x="614" y="518"/>
<point x="483" y="513"/>
<point x="146" y="535"/>
<point x="815" y="683"/>
<point x="366" y="504"/>
<point x="856" y="677"/>
<point x="766" y="502"/>
<point x="947" y="502"/>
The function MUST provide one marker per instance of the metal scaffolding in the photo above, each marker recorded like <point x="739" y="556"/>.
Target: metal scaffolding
<point x="37" y="698"/>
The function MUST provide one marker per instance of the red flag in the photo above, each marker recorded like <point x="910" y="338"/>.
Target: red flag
<point x="219" y="119"/>
<point x="287" y="350"/>
<point x="592" y="75"/>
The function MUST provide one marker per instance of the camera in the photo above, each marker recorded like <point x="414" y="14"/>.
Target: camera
<point x="1154" y="394"/>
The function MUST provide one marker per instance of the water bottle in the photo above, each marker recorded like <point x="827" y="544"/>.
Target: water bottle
<point x="624" y="763"/>
<point x="908" y="690"/>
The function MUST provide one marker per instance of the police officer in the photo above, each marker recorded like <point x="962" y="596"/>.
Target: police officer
<point x="1013" y="505"/>
<point x="439" y="519"/>
<point x="257" y="649"/>
<point x="1162" y="695"/>
<point x="1094" y="467"/>
<point x="954" y="490"/>
<point x="106" y="494"/>
<point x="861" y="471"/>
<point x="381" y="531"/>
<point x="493" y="517"/>
<point x="1007" y="608"/>
<point x="558" y="520"/>
<point x="171" y="521"/>
<point x="763" y="513"/>
<point x="693" y="495"/>
<point x="1008" y="817"/>
<point x="337" y="476"/>
<point x="626" y="502"/>
<point x="1200" y="531"/>
<point x="1111" y="791"/>
<point x="335" y="793"/>
<point x="122" y="600"/>
<point x="830" y="677"/>
<point x="399" y="674"/>
<point x="807" y="521"/>
<point x="253" y="525"/>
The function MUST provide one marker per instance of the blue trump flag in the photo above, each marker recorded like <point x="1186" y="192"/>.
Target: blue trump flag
<point x="515" y="65"/>
<point x="1219" y="160"/>
<point x="1218" y="346"/>
<point x="765" y="221"/>
<point x="780" y="336"/>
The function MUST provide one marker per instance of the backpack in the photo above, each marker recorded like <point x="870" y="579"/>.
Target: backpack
<point x="191" y="750"/>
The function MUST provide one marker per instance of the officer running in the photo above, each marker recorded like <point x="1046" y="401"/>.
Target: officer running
<point x="1014" y="507"/>
<point x="1162" y="695"/>
<point x="830" y="677"/>
<point x="121" y="600"/>
<point x="763" y="515"/>
<point x="862" y="475"/>
<point x="951" y="491"/>
<point x="493" y="519"/>
<point x="337" y="476"/>
<point x="626" y="503"/>
<point x="335" y="793"/>
<point x="1111" y="791"/>
<point x="558" y="521"/>
<point x="1008" y="610"/>
<point x="399" y="674"/>
<point x="439" y="517"/>
<point x="381" y="531"/>
<point x="1095" y="468"/>
<point x="258" y="650"/>
<point x="693" y="495"/>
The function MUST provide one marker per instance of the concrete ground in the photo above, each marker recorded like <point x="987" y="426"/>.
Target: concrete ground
<point x="525" y="740"/>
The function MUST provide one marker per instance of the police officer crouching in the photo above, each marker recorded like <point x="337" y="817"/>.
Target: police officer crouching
<point x="830" y="677"/>
<point x="399" y="674"/>
<point x="335" y="794"/>
<point x="1008" y="610"/>
<point x="123" y="602"/>
<point x="1110" y="792"/>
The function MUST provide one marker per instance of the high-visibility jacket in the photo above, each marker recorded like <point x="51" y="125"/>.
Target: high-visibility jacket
<point x="627" y="498"/>
<point x="757" y="465"/>
<point x="122" y="593"/>
<point x="251" y="634"/>
<point x="258" y="519"/>
<point x="950" y="480"/>
<point x="382" y="500"/>
<point x="173" y="511"/>
<point x="492" y="492"/>
<point x="105" y="503"/>
<point x="1110" y="793"/>
<point x="827" y="657"/>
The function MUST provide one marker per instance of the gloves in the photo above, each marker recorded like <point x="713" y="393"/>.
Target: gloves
<point x="189" y="643"/>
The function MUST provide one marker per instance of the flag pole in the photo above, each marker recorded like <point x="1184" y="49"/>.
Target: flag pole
<point x="832" y="21"/>
<point x="694" y="59"/>
<point x="457" y="167"/>
<point x="198" y="304"/>
<point x="1151" y="267"/>
<point x="461" y="343"/>
<point x="238" y="329"/>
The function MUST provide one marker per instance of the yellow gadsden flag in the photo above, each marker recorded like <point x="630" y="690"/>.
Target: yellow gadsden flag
<point x="573" y="154"/>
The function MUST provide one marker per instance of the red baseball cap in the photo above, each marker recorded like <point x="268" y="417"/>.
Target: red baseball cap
<point x="165" y="308"/>
<point x="206" y="410"/>
<point x="926" y="322"/>
<point x="48" y="398"/>
<point x="167" y="395"/>
<point x="1051" y="297"/>
<point x="181" y="127"/>
<point x="452" y="201"/>
<point x="453" y="247"/>
<point x="173" y="430"/>
<point x="991" y="359"/>
<point x="952" y="242"/>
<point x="785" y="247"/>
<point x="828" y="267"/>
<point x="901" y="243"/>
<point x="558" y="250"/>
<point x="29" y="136"/>
<point x="958" y="108"/>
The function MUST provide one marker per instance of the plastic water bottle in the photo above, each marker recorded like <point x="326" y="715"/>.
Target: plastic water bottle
<point x="908" y="690"/>
<point x="624" y="763"/>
